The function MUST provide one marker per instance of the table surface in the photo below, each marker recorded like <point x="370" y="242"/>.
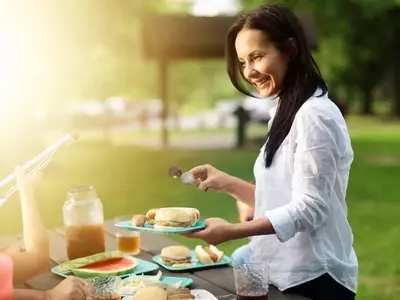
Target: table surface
<point x="219" y="281"/>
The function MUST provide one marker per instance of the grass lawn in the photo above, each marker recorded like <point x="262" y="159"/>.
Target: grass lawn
<point x="134" y="180"/>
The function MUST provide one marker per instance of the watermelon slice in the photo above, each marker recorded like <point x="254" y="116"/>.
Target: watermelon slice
<point x="114" y="266"/>
<point x="76" y="263"/>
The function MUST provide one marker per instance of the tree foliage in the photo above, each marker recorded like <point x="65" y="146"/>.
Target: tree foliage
<point x="357" y="44"/>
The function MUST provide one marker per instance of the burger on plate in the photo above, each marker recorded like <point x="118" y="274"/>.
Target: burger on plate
<point x="175" y="255"/>
<point x="208" y="255"/>
<point x="175" y="218"/>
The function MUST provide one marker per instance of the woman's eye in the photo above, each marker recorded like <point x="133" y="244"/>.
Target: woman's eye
<point x="257" y="57"/>
<point x="242" y="65"/>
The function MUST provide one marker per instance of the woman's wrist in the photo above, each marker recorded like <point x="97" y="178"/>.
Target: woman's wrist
<point x="231" y="185"/>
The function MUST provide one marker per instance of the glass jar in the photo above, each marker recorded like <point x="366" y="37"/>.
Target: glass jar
<point x="83" y="222"/>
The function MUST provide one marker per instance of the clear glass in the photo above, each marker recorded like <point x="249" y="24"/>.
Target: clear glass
<point x="104" y="288"/>
<point x="251" y="281"/>
<point x="128" y="242"/>
<point x="83" y="222"/>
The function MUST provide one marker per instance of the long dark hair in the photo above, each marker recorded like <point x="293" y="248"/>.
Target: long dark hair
<point x="302" y="78"/>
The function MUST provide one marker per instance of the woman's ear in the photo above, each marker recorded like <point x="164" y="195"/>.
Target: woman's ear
<point x="292" y="47"/>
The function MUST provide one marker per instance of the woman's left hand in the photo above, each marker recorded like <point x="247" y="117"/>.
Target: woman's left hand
<point x="216" y="232"/>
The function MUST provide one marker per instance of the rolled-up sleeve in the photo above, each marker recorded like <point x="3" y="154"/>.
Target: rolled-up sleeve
<point x="315" y="168"/>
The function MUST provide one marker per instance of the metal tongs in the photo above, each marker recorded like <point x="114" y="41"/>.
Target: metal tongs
<point x="186" y="177"/>
<point x="42" y="160"/>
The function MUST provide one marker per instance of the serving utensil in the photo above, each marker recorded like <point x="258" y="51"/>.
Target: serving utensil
<point x="186" y="177"/>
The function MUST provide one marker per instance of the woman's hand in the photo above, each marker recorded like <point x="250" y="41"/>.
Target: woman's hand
<point x="216" y="232"/>
<point x="210" y="177"/>
<point x="71" y="288"/>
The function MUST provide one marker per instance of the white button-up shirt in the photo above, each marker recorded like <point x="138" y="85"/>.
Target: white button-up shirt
<point x="303" y="193"/>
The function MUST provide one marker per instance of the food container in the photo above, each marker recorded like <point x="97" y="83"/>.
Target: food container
<point x="83" y="222"/>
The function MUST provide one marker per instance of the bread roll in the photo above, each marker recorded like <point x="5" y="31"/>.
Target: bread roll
<point x="150" y="293"/>
<point x="150" y="215"/>
<point x="138" y="220"/>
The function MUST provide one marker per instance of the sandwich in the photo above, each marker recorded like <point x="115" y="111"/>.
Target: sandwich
<point x="150" y="293"/>
<point x="176" y="255"/>
<point x="150" y="215"/>
<point x="208" y="255"/>
<point x="175" y="218"/>
<point x="181" y="294"/>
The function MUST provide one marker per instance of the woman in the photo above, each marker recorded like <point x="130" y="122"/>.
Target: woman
<point x="17" y="266"/>
<point x="300" y="227"/>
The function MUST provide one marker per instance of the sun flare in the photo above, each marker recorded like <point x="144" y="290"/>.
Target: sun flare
<point x="8" y="64"/>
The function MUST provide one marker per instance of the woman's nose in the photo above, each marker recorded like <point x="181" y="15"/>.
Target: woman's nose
<point x="249" y="71"/>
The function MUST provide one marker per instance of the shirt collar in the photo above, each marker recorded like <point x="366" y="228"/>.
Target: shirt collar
<point x="272" y="111"/>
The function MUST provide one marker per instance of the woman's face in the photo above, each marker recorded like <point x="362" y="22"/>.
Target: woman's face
<point x="263" y="65"/>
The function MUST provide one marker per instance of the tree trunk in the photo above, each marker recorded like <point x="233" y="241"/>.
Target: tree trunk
<point x="367" y="101"/>
<point x="396" y="82"/>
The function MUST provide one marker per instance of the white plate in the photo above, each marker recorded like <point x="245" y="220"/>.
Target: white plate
<point x="199" y="294"/>
<point x="203" y="295"/>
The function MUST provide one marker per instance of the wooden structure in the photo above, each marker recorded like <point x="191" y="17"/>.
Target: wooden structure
<point x="218" y="281"/>
<point x="176" y="37"/>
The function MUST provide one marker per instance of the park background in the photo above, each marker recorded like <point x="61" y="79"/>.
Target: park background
<point x="81" y="66"/>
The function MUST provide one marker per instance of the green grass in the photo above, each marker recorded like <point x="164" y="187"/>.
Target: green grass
<point x="133" y="180"/>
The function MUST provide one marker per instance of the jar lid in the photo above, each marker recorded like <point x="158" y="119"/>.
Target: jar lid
<point x="82" y="192"/>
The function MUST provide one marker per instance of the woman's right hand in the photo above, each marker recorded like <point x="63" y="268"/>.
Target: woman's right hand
<point x="210" y="177"/>
<point x="72" y="288"/>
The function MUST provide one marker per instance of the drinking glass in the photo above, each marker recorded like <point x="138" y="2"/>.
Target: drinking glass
<point x="251" y="281"/>
<point x="128" y="242"/>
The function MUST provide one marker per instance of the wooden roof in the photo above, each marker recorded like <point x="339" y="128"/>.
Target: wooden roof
<point x="172" y="36"/>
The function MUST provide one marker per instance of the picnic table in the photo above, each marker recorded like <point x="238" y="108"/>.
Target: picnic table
<point x="219" y="281"/>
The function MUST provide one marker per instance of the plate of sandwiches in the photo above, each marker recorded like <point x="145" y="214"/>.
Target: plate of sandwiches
<point x="181" y="258"/>
<point x="167" y="220"/>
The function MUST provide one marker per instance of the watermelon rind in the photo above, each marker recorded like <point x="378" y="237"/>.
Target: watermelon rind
<point x="79" y="262"/>
<point x="89" y="273"/>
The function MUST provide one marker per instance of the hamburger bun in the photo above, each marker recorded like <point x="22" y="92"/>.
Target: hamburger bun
<point x="150" y="293"/>
<point x="150" y="215"/>
<point x="208" y="255"/>
<point x="138" y="220"/>
<point x="175" y="217"/>
<point x="172" y="255"/>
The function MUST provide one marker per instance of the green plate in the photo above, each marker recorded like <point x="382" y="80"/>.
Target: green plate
<point x="186" y="281"/>
<point x="195" y="263"/>
<point x="143" y="266"/>
<point x="150" y="228"/>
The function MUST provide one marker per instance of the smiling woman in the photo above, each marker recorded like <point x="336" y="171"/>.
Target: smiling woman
<point x="300" y="227"/>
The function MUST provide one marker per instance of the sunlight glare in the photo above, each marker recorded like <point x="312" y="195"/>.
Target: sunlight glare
<point x="8" y="64"/>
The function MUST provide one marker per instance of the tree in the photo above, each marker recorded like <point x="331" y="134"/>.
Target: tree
<point x="354" y="38"/>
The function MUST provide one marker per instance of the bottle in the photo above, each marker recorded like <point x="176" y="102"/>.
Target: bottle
<point x="83" y="222"/>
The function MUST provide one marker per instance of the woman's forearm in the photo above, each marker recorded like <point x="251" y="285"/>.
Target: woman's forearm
<point x="241" y="190"/>
<point x="251" y="228"/>
<point x="22" y="294"/>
